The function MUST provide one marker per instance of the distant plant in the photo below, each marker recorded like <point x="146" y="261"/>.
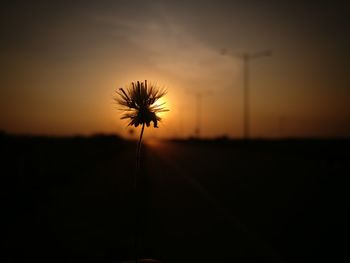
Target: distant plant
<point x="139" y="106"/>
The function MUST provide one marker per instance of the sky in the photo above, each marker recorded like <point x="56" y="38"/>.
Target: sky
<point x="61" y="62"/>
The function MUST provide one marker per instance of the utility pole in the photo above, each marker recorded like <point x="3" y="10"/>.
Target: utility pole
<point x="199" y="96"/>
<point x="198" y="107"/>
<point x="246" y="58"/>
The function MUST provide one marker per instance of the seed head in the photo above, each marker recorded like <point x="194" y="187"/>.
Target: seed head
<point x="138" y="102"/>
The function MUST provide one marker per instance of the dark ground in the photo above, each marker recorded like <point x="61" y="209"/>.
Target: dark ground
<point x="72" y="200"/>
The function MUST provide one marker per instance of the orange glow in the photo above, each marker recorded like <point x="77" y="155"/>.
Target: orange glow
<point x="153" y="143"/>
<point x="54" y="89"/>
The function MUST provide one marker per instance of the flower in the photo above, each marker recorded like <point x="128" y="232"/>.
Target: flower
<point x="139" y="103"/>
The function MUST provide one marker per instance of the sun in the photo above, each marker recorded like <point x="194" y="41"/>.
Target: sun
<point x="162" y="102"/>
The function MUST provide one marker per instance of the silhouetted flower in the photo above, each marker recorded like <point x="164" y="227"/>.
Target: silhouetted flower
<point x="139" y="103"/>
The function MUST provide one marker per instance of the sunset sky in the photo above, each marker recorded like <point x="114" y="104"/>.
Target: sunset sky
<point x="60" y="63"/>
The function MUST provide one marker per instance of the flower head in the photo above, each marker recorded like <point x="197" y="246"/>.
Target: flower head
<point x="138" y="103"/>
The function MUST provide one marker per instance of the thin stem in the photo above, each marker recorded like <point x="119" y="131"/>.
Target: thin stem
<point x="138" y="157"/>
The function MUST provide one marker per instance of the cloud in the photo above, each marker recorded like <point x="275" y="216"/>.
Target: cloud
<point x="171" y="50"/>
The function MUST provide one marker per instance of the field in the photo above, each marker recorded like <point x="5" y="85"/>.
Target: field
<point x="73" y="200"/>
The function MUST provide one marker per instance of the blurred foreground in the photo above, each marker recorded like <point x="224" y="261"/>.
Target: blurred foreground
<point x="71" y="199"/>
